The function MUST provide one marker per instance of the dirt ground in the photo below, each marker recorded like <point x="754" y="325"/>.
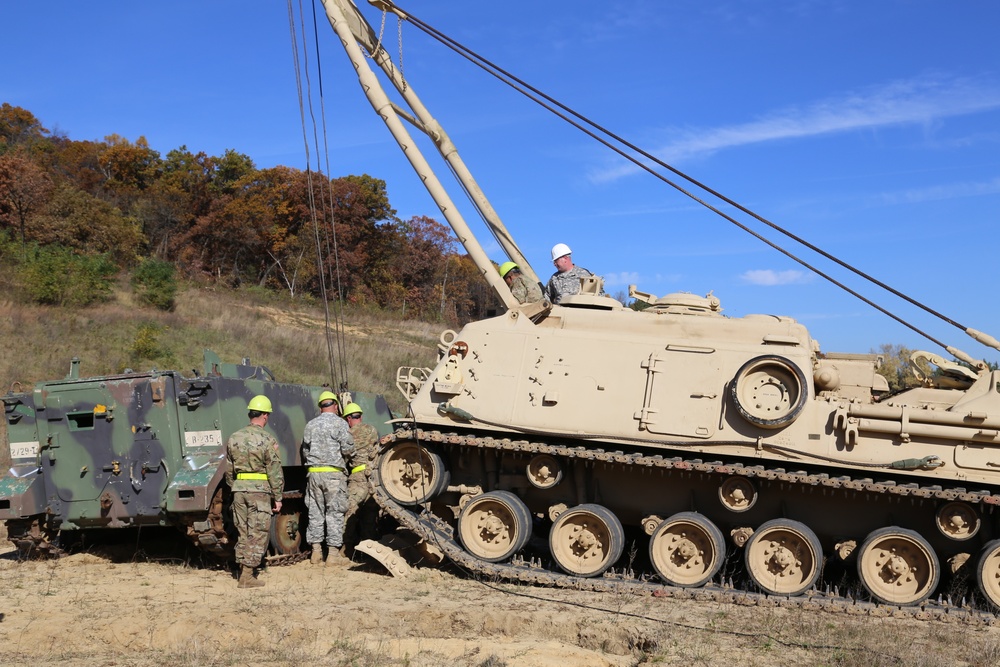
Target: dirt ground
<point x="125" y="606"/>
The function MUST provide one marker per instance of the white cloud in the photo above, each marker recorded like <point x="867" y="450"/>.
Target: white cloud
<point x="622" y="278"/>
<point x="941" y="192"/>
<point x="770" y="277"/>
<point x="915" y="101"/>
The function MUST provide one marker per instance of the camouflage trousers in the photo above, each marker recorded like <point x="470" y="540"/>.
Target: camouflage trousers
<point x="362" y="511"/>
<point x="326" y="501"/>
<point x="252" y="516"/>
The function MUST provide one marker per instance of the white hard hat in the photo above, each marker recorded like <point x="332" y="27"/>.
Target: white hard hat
<point x="560" y="249"/>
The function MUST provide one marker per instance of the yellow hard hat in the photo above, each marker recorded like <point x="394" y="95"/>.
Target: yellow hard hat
<point x="260" y="403"/>
<point x="327" y="396"/>
<point x="352" y="409"/>
<point x="506" y="268"/>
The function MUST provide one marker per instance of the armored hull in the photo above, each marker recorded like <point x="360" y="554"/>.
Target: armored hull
<point x="685" y="436"/>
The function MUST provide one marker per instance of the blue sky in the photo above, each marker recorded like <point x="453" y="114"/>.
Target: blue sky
<point x="871" y="129"/>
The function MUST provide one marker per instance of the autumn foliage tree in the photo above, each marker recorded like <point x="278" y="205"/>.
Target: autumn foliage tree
<point x="24" y="189"/>
<point x="19" y="129"/>
<point x="221" y="219"/>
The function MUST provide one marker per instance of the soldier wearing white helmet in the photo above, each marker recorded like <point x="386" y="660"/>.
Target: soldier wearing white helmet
<point x="566" y="280"/>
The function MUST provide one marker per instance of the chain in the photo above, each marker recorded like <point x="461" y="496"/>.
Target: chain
<point x="399" y="28"/>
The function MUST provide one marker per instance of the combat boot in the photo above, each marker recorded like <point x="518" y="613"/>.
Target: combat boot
<point x="317" y="554"/>
<point x="336" y="556"/>
<point x="247" y="579"/>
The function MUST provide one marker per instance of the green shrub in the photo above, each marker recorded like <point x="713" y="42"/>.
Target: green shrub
<point x="56" y="276"/>
<point x="155" y="284"/>
<point x="149" y="346"/>
<point x="146" y="344"/>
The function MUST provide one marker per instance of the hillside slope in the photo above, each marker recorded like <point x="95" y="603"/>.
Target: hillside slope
<point x="38" y="342"/>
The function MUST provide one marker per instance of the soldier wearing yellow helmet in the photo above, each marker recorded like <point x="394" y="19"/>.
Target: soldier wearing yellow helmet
<point x="362" y="511"/>
<point x="523" y="289"/>
<point x="253" y="472"/>
<point x="326" y="444"/>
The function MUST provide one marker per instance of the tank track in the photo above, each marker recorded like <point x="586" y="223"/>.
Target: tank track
<point x="34" y="539"/>
<point x="435" y="530"/>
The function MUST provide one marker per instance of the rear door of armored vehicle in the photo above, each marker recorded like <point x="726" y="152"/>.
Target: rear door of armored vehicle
<point x="103" y="459"/>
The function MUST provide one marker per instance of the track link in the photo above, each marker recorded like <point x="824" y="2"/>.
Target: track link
<point x="435" y="530"/>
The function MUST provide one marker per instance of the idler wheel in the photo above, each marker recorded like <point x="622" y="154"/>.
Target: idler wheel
<point x="412" y="474"/>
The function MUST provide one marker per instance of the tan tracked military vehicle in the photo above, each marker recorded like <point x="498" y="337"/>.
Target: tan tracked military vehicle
<point x="703" y="440"/>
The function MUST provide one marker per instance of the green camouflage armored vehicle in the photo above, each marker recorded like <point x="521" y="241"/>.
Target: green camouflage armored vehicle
<point x="148" y="449"/>
<point x="700" y="439"/>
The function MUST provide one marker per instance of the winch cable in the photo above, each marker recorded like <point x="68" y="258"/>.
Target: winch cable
<point x="327" y="189"/>
<point x="333" y="335"/>
<point x="537" y="96"/>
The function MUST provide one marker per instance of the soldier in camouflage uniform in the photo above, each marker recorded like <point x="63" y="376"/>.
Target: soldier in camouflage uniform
<point x="253" y="472"/>
<point x="523" y="289"/>
<point x="326" y="443"/>
<point x="566" y="280"/>
<point x="362" y="511"/>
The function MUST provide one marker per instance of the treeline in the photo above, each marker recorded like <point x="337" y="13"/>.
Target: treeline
<point x="92" y="209"/>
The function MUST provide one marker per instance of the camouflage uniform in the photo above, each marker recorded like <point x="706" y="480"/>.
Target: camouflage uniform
<point x="252" y="450"/>
<point x="524" y="290"/>
<point x="362" y="511"/>
<point x="566" y="284"/>
<point x="325" y="443"/>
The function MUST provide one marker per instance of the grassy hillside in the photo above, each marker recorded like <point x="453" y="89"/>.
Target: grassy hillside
<point x="288" y="337"/>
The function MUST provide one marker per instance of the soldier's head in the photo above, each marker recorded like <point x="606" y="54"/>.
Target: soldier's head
<point x="352" y="413"/>
<point x="259" y="409"/>
<point x="561" y="257"/>
<point x="328" y="402"/>
<point x="509" y="271"/>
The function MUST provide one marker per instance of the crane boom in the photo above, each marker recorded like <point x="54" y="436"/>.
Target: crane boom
<point x="356" y="33"/>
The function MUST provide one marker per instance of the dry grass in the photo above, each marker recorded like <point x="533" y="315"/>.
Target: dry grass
<point x="177" y="614"/>
<point x="287" y="337"/>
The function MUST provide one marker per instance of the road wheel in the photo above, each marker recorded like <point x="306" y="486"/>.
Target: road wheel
<point x="783" y="557"/>
<point x="898" y="566"/>
<point x="494" y="526"/>
<point x="687" y="549"/>
<point x="586" y="540"/>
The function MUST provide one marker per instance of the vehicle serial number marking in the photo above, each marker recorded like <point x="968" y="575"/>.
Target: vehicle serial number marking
<point x="203" y="439"/>
<point x="23" y="450"/>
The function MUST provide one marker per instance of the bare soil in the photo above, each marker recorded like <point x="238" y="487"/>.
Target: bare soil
<point x="152" y="606"/>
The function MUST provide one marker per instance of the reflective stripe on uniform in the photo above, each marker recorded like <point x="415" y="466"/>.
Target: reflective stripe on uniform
<point x="325" y="469"/>
<point x="358" y="468"/>
<point x="251" y="475"/>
